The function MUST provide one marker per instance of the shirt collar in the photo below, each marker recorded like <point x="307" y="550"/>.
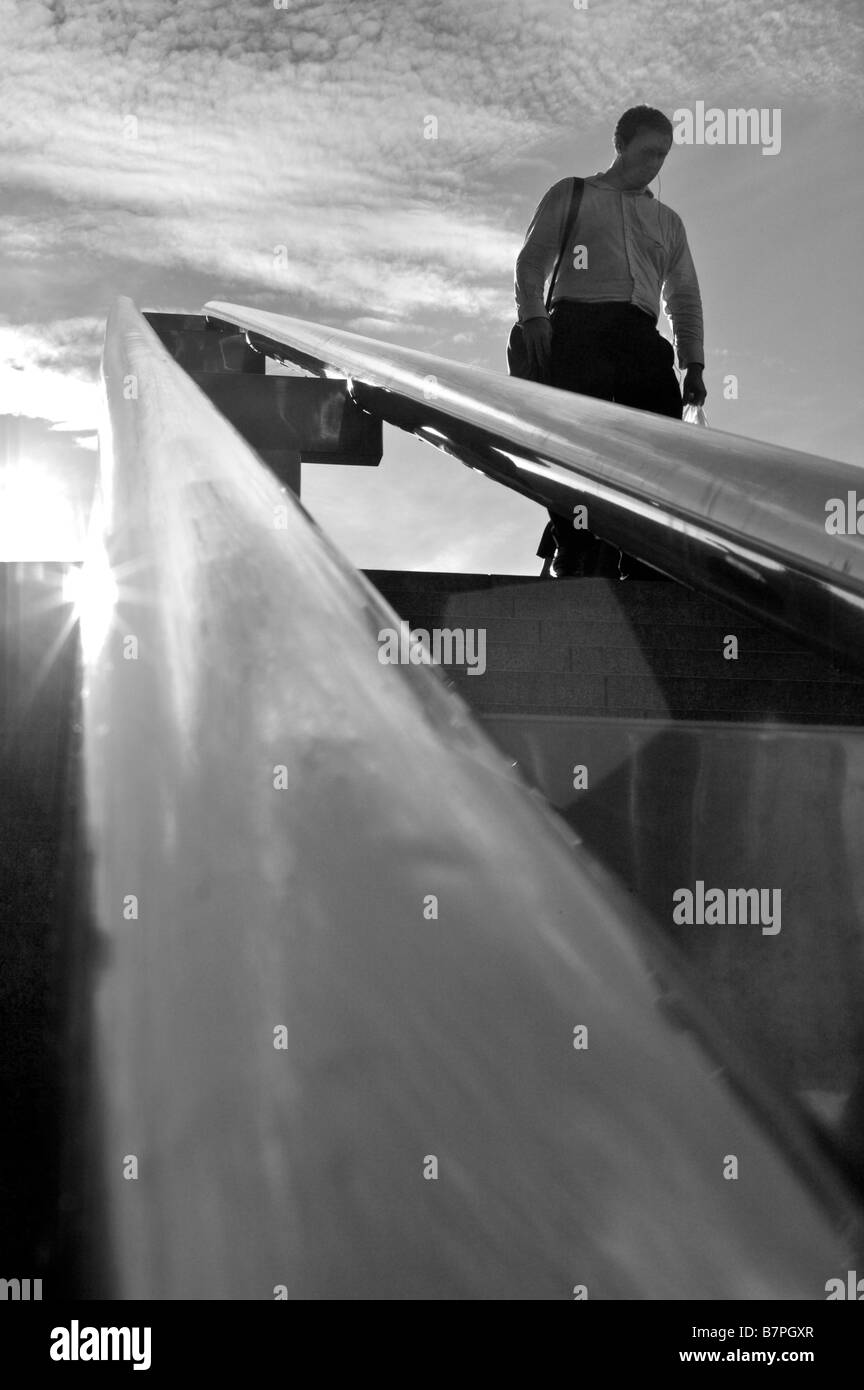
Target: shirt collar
<point x="598" y="178"/>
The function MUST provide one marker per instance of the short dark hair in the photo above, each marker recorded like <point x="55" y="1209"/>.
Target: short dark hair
<point x="635" y="119"/>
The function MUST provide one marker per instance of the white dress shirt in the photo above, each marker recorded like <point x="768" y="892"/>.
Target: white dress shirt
<point x="634" y="250"/>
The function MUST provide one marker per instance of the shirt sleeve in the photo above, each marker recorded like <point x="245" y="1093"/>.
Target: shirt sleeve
<point x="536" y="260"/>
<point x="683" y="303"/>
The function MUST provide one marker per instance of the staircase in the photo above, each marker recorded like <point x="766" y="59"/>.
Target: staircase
<point x="632" y="650"/>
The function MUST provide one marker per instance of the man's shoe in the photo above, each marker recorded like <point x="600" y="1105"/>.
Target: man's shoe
<point x="564" y="567"/>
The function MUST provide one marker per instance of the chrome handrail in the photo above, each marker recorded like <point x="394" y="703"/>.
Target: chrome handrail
<point x="735" y="518"/>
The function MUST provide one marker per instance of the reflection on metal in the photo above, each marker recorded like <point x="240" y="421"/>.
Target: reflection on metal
<point x="315" y="417"/>
<point x="741" y="804"/>
<point x="348" y="952"/>
<point x="738" y="519"/>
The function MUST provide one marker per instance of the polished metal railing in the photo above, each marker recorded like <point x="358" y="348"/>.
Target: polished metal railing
<point x="368" y="1022"/>
<point x="742" y="521"/>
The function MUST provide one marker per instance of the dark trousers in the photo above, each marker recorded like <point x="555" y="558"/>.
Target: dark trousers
<point x="612" y="351"/>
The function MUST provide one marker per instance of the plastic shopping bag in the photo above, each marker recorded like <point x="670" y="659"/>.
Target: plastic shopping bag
<point x="694" y="415"/>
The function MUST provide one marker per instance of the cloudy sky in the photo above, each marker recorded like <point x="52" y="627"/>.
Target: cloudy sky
<point x="164" y="149"/>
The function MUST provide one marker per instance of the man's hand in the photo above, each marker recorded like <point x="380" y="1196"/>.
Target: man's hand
<point x="537" y="334"/>
<point x="694" y="387"/>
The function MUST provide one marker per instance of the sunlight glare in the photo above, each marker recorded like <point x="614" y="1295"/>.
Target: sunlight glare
<point x="92" y="588"/>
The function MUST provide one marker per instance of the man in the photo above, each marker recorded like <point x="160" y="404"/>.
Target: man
<point x="600" y="337"/>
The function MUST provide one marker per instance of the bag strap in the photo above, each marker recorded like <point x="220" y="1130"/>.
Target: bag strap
<point x="572" y="214"/>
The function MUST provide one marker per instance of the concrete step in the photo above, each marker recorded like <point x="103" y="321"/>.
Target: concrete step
<point x="706" y="637"/>
<point x="550" y="692"/>
<point x="617" y="660"/>
<point x="517" y="596"/>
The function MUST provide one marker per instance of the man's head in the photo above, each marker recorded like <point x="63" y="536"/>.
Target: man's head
<point x="643" y="138"/>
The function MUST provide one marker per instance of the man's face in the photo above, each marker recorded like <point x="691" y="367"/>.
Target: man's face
<point x="642" y="159"/>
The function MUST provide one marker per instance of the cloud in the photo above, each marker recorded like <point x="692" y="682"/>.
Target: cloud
<point x="47" y="369"/>
<point x="207" y="137"/>
<point x="282" y="156"/>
